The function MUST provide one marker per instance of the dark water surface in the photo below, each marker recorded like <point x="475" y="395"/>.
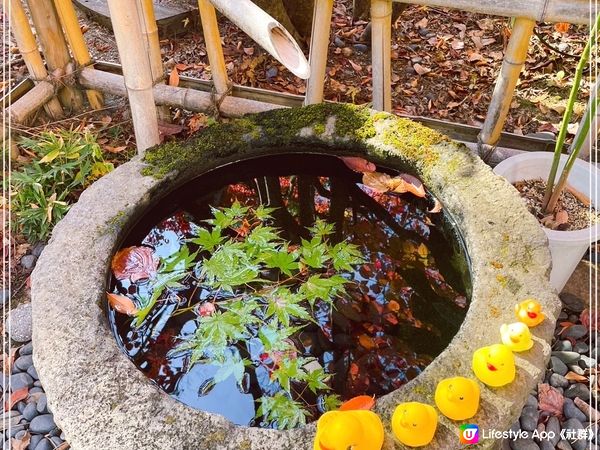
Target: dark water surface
<point x="407" y="301"/>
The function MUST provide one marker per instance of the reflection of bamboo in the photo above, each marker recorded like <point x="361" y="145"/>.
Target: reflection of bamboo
<point x="212" y="40"/>
<point x="319" y="44"/>
<point x="30" y="53"/>
<point x="70" y="24"/>
<point x="515" y="56"/>
<point x="306" y="200"/>
<point x="126" y="22"/>
<point x="54" y="47"/>
<point x="381" y="41"/>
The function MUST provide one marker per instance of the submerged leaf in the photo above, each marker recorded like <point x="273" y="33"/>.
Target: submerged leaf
<point x="122" y="304"/>
<point x="135" y="263"/>
<point x="382" y="182"/>
<point x="358" y="164"/>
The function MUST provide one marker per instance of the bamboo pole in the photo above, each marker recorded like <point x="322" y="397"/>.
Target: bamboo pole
<point x="381" y="50"/>
<point x="37" y="97"/>
<point x="54" y="48"/>
<point x="126" y="21"/>
<point x="70" y="24"/>
<point x="212" y="39"/>
<point x="266" y="32"/>
<point x="515" y="56"/>
<point x="319" y="45"/>
<point x="30" y="53"/>
<point x="591" y="137"/>
<point x="186" y="98"/>
<point x="151" y="39"/>
<point x="572" y="11"/>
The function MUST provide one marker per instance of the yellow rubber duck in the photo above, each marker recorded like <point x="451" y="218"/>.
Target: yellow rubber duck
<point x="530" y="312"/>
<point x="494" y="365"/>
<point x="414" y="423"/>
<point x="357" y="429"/>
<point x="457" y="398"/>
<point x="516" y="336"/>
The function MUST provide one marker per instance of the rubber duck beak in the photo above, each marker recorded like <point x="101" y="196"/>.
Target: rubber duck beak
<point x="514" y="339"/>
<point x="491" y="367"/>
<point x="532" y="315"/>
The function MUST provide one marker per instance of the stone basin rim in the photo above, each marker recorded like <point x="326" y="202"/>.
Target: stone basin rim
<point x="119" y="408"/>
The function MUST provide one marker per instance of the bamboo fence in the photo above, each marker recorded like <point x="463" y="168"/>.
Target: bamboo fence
<point x="137" y="38"/>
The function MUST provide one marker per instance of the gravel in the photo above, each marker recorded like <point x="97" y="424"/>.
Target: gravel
<point x="19" y="381"/>
<point x="24" y="362"/>
<point x="42" y="424"/>
<point x="30" y="411"/>
<point x="558" y="366"/>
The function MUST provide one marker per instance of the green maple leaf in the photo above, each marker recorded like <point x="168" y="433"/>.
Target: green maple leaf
<point x="314" y="253"/>
<point x="323" y="288"/>
<point x="208" y="240"/>
<point x="285" y="305"/>
<point x="344" y="256"/>
<point x="281" y="259"/>
<point x="282" y="410"/>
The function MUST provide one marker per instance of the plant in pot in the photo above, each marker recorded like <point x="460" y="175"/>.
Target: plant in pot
<point x="567" y="208"/>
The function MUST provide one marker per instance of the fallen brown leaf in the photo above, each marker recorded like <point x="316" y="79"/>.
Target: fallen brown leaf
<point x="358" y="164"/>
<point x="111" y="149"/>
<point x="174" y="77"/>
<point x="550" y="400"/>
<point x="572" y="376"/>
<point x="20" y="444"/>
<point x="562" y="27"/>
<point x="135" y="263"/>
<point x="15" y="397"/>
<point x="421" y="70"/>
<point x="121" y="304"/>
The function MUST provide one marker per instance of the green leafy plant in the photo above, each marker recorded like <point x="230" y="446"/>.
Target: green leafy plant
<point x="65" y="162"/>
<point x="261" y="286"/>
<point x="553" y="191"/>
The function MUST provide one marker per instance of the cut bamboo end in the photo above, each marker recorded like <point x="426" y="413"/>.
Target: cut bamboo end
<point x="266" y="32"/>
<point x="319" y="46"/>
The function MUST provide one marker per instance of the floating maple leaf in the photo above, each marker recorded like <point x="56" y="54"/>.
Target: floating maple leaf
<point x="358" y="164"/>
<point x="550" y="399"/>
<point x="359" y="402"/>
<point x="122" y="304"/>
<point x="382" y="182"/>
<point x="135" y="263"/>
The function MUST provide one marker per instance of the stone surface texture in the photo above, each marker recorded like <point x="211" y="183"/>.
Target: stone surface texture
<point x="99" y="398"/>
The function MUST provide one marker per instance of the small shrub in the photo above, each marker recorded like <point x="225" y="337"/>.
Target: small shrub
<point x="65" y="162"/>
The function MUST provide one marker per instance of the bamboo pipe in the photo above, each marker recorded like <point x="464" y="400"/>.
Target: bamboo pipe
<point x="70" y="24"/>
<point x="212" y="39"/>
<point x="381" y="49"/>
<point x="151" y="39"/>
<point x="266" y="32"/>
<point x="516" y="54"/>
<point x="30" y="53"/>
<point x="572" y="11"/>
<point x="126" y="22"/>
<point x="189" y="99"/>
<point x="37" y="97"/>
<point x="319" y="45"/>
<point x="54" y="48"/>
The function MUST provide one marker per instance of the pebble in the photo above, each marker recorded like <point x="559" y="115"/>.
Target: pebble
<point x="546" y="445"/>
<point x="416" y="47"/>
<point x="35" y="438"/>
<point x="44" y="444"/>
<point x="423" y="32"/>
<point x="347" y="52"/>
<point x="558" y="366"/>
<point x="37" y="249"/>
<point x="532" y="401"/>
<point x="587" y="363"/>
<point x="361" y="48"/>
<point x="578" y="390"/>
<point x="564" y="346"/>
<point x="576" y="331"/>
<point x="272" y="72"/>
<point x="19" y="381"/>
<point x="553" y="425"/>
<point x="571" y="411"/>
<point x="338" y="42"/>
<point x="524" y="444"/>
<point x="567" y="357"/>
<point x="28" y="262"/>
<point x="42" y="404"/>
<point x="30" y="411"/>
<point x="574" y="424"/>
<point x="21" y="406"/>
<point x="24" y="362"/>
<point x="563" y="315"/>
<point x="42" y="424"/>
<point x="20" y="435"/>
<point x="577" y="369"/>
<point x="27" y="349"/>
<point x="33" y="373"/>
<point x="529" y="418"/>
<point x="35" y="389"/>
<point x="20" y="323"/>
<point x="56" y="441"/>
<point x="572" y="302"/>
<point x="557" y="380"/>
<point x="581" y="347"/>
<point x="564" y="445"/>
<point x="563" y="47"/>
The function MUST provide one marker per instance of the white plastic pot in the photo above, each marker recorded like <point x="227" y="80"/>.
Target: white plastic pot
<point x="567" y="247"/>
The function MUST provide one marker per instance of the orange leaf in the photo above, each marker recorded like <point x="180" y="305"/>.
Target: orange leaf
<point x="572" y="376"/>
<point x="379" y="182"/>
<point x="358" y="164"/>
<point x="408" y="183"/>
<point x="182" y="67"/>
<point x="562" y="27"/>
<point x="359" y="402"/>
<point x="421" y="70"/>
<point x="21" y="444"/>
<point x="121" y="304"/>
<point x="16" y="397"/>
<point x="174" y="77"/>
<point x="393" y="305"/>
<point x="136" y="263"/>
<point x="366" y="342"/>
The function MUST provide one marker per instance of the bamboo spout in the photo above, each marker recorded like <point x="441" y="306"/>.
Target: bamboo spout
<point x="267" y="32"/>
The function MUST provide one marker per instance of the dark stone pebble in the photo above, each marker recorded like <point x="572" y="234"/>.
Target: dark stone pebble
<point x="361" y="48"/>
<point x="44" y="444"/>
<point x="272" y="72"/>
<point x="37" y="383"/>
<point x="56" y="441"/>
<point x="571" y="411"/>
<point x="553" y="425"/>
<point x="546" y="445"/>
<point x="35" y="439"/>
<point x="558" y="380"/>
<point x="529" y="418"/>
<point x="573" y="318"/>
<point x="28" y="262"/>
<point x="27" y="349"/>
<point x="338" y="42"/>
<point x="423" y="32"/>
<point x="42" y="424"/>
<point x="572" y="302"/>
<point x="532" y="401"/>
<point x="576" y="331"/>
<point x="574" y="424"/>
<point x="524" y="444"/>
<point x="581" y="347"/>
<point x="33" y="373"/>
<point x="20" y="406"/>
<point x="567" y="357"/>
<point x="20" y="380"/>
<point x="563" y="315"/>
<point x="20" y="434"/>
<point x="558" y="366"/>
<point x="35" y="389"/>
<point x="564" y="445"/>
<point x="563" y="346"/>
<point x="30" y="411"/>
<point x="24" y="362"/>
<point x="42" y="404"/>
<point x="578" y="390"/>
<point x="38" y="249"/>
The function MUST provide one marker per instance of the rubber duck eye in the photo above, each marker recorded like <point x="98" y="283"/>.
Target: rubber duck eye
<point x="414" y="425"/>
<point x="461" y="398"/>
